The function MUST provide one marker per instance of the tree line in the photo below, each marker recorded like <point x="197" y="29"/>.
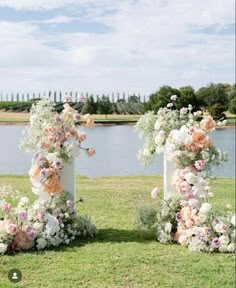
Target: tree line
<point x="216" y="98"/>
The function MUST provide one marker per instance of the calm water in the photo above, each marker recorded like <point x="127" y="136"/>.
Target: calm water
<point x="117" y="148"/>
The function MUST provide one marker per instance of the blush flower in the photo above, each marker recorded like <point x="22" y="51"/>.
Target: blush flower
<point x="91" y="152"/>
<point x="155" y="191"/>
<point x="207" y="123"/>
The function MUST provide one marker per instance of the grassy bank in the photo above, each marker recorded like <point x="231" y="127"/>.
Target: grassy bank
<point x="12" y="118"/>
<point x="120" y="256"/>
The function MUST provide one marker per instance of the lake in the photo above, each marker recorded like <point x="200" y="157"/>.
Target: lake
<point x="117" y="148"/>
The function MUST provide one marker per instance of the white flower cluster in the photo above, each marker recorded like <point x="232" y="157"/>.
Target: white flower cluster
<point x="40" y="225"/>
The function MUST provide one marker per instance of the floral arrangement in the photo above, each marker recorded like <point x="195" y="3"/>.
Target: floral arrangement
<point x="43" y="224"/>
<point x="54" y="139"/>
<point x="187" y="216"/>
<point x="190" y="223"/>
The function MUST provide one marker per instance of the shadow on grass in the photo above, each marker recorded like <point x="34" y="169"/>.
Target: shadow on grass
<point x="118" y="236"/>
<point x="108" y="235"/>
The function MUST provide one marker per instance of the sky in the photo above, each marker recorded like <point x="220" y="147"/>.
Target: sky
<point x="105" y="46"/>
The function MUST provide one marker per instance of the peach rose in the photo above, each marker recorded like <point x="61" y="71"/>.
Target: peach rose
<point x="207" y="123"/>
<point x="91" y="151"/>
<point x="34" y="171"/>
<point x="53" y="185"/>
<point x="89" y="121"/>
<point x="198" y="136"/>
<point x="21" y="241"/>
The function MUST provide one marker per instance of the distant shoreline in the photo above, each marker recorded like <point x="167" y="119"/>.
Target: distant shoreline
<point x="97" y="123"/>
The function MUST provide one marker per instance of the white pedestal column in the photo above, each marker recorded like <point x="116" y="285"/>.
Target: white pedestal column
<point x="68" y="179"/>
<point x="169" y="170"/>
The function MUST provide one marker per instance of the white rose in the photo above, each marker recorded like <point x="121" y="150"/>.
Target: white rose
<point x="24" y="200"/>
<point x="38" y="226"/>
<point x="224" y="240"/>
<point x="191" y="178"/>
<point x="41" y="243"/>
<point x="205" y="208"/>
<point x="233" y="220"/>
<point x="231" y="247"/>
<point x="168" y="227"/>
<point x="223" y="248"/>
<point x="3" y="248"/>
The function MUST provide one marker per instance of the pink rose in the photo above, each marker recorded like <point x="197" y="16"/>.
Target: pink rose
<point x="169" y="105"/>
<point x="200" y="164"/>
<point x="10" y="227"/>
<point x="31" y="234"/>
<point x="69" y="203"/>
<point x="183" y="110"/>
<point x="22" y="215"/>
<point x="173" y="97"/>
<point x="6" y="207"/>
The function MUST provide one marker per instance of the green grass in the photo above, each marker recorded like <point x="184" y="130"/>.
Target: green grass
<point x="120" y="256"/>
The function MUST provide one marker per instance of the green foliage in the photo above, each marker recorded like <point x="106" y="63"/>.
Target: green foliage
<point x="146" y="217"/>
<point x="217" y="111"/>
<point x="187" y="96"/>
<point x="104" y="105"/>
<point x="161" y="98"/>
<point x="212" y="94"/>
<point x="90" y="106"/>
<point x="232" y="100"/>
<point x="232" y="106"/>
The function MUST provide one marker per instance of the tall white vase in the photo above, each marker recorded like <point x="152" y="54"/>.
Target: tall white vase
<point x="68" y="178"/>
<point x="169" y="169"/>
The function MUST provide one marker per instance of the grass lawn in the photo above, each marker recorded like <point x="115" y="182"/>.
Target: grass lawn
<point x="120" y="256"/>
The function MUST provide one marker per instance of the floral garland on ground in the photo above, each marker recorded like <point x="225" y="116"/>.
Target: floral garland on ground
<point x="55" y="140"/>
<point x="187" y="217"/>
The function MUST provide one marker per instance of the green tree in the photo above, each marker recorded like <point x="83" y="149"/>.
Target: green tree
<point x="133" y="99"/>
<point x="89" y="106"/>
<point x="161" y="98"/>
<point x="187" y="96"/>
<point x="212" y="94"/>
<point x="104" y="105"/>
<point x="232" y="99"/>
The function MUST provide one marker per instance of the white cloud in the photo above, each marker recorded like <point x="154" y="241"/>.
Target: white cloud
<point x="149" y="43"/>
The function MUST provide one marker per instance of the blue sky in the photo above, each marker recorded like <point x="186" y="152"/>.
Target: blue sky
<point x="114" y="46"/>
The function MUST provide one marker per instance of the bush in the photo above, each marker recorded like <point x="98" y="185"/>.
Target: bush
<point x="217" y="111"/>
